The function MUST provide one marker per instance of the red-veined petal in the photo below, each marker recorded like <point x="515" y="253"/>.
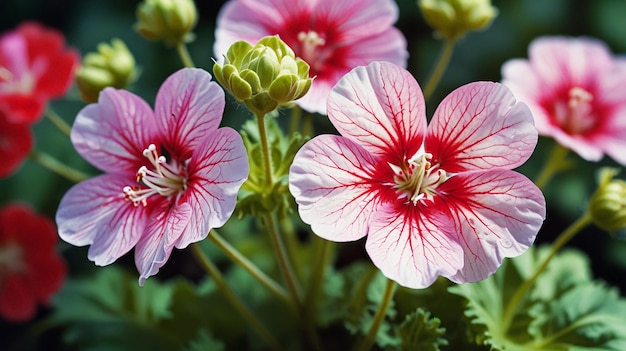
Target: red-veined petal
<point x="413" y="247"/>
<point x="94" y="212"/>
<point x="154" y="248"/>
<point x="217" y="170"/>
<point x="330" y="180"/>
<point x="498" y="213"/>
<point x="188" y="107"/>
<point x="113" y="133"/>
<point x="481" y="126"/>
<point x="381" y="108"/>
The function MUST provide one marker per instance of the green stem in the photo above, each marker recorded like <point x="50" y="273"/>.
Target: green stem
<point x="214" y="273"/>
<point x="307" y="124"/>
<point x="267" y="161"/>
<point x="379" y="317"/>
<point x="520" y="293"/>
<point x="283" y="260"/>
<point x="57" y="167"/>
<point x="440" y="68"/>
<point x="58" y="122"/>
<point x="181" y="48"/>
<point x="555" y="163"/>
<point x="315" y="288"/>
<point x="296" y="116"/>
<point x="250" y="267"/>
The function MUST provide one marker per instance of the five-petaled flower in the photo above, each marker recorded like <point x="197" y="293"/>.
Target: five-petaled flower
<point x="169" y="175"/>
<point x="436" y="200"/>
<point x="331" y="36"/>
<point x="31" y="270"/>
<point x="575" y="89"/>
<point x="34" y="68"/>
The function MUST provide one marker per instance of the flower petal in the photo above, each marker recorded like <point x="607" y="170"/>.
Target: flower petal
<point x="415" y="247"/>
<point x="153" y="248"/>
<point x="188" y="106"/>
<point x="218" y="168"/>
<point x="17" y="303"/>
<point x="481" y="126"/>
<point x="95" y="212"/>
<point x="381" y="108"/>
<point x="16" y="142"/>
<point x="113" y="133"/>
<point x="357" y="19"/>
<point x="498" y="213"/>
<point x="329" y="179"/>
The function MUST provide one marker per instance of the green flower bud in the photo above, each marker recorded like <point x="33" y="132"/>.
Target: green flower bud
<point x="452" y="19"/>
<point x="168" y="20"/>
<point x="263" y="76"/>
<point x="112" y="66"/>
<point x="608" y="204"/>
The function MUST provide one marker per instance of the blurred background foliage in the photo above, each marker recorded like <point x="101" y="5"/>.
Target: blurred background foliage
<point x="478" y="56"/>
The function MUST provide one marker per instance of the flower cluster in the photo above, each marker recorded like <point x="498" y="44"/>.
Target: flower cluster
<point x="308" y="129"/>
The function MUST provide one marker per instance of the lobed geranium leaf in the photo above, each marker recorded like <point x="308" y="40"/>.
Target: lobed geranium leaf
<point x="204" y="342"/>
<point x="563" y="310"/>
<point x="420" y="331"/>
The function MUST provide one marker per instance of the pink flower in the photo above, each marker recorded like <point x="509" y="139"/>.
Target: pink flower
<point x="34" y="68"/>
<point x="16" y="142"/>
<point x="331" y="36"/>
<point x="576" y="90"/>
<point x="169" y="175"/>
<point x="31" y="270"/>
<point x="433" y="201"/>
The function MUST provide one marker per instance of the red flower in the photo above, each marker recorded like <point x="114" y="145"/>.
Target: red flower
<point x="31" y="270"/>
<point x="15" y="144"/>
<point x="34" y="68"/>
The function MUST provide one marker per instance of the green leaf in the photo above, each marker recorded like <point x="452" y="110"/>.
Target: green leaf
<point x="563" y="310"/>
<point x="205" y="342"/>
<point x="351" y="297"/>
<point x="420" y="331"/>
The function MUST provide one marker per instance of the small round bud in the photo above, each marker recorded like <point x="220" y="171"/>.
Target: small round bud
<point x="263" y="76"/>
<point x="112" y="66"/>
<point x="608" y="204"/>
<point x="171" y="21"/>
<point x="452" y="19"/>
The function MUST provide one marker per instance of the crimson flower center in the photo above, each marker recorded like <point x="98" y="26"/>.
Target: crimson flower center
<point x="417" y="179"/>
<point x="163" y="179"/>
<point x="311" y="49"/>
<point x="11" y="83"/>
<point x="11" y="259"/>
<point x="576" y="114"/>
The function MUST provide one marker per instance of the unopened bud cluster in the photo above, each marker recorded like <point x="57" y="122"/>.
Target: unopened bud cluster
<point x="111" y="66"/>
<point x="263" y="76"/>
<point x="452" y="19"/>
<point x="170" y="21"/>
<point x="608" y="204"/>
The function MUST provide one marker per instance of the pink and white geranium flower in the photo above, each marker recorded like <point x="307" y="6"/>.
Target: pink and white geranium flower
<point x="436" y="200"/>
<point x="576" y="91"/>
<point x="331" y="36"/>
<point x="169" y="175"/>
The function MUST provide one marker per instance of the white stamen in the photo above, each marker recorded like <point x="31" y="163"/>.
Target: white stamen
<point x="417" y="179"/>
<point x="163" y="180"/>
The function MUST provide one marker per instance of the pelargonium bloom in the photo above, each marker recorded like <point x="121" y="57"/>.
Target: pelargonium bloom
<point x="575" y="89"/>
<point x="331" y="36"/>
<point x="16" y="142"/>
<point x="436" y="200"/>
<point x="169" y="175"/>
<point x="31" y="270"/>
<point x="34" y="68"/>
